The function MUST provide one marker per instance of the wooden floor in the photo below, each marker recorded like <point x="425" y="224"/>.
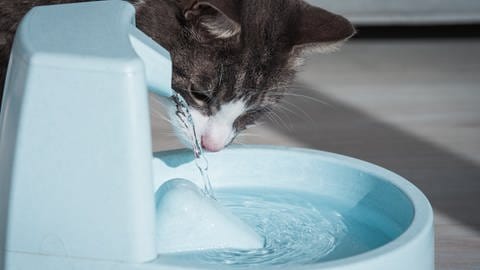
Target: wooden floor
<point x="410" y="106"/>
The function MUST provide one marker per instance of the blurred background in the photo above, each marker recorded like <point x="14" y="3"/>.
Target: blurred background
<point x="403" y="94"/>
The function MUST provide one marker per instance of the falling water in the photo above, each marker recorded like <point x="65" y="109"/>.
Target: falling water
<point x="200" y="159"/>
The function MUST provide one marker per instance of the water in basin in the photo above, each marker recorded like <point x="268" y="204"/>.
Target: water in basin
<point x="299" y="228"/>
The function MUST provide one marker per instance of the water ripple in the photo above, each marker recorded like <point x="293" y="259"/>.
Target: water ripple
<point x="295" y="230"/>
<point x="299" y="229"/>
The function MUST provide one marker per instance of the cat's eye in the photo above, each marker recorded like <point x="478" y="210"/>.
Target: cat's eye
<point x="199" y="96"/>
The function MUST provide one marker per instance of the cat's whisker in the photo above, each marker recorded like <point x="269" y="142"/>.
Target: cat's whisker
<point x="285" y="93"/>
<point x="288" y="111"/>
<point x="157" y="113"/>
<point x="239" y="143"/>
<point x="303" y="96"/>
<point x="162" y="117"/>
<point x="249" y="135"/>
<point x="155" y="107"/>
<point x="179" y="127"/>
<point x="243" y="134"/>
<point x="158" y="117"/>
<point x="270" y="117"/>
<point x="267" y="90"/>
<point x="300" y="109"/>
<point x="258" y="124"/>
<point x="284" y="87"/>
<point x="286" y="117"/>
<point x="279" y="120"/>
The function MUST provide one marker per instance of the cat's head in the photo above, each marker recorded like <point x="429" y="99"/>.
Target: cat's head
<point x="233" y="59"/>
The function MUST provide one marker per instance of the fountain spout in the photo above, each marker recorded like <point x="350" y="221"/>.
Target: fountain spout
<point x="158" y="65"/>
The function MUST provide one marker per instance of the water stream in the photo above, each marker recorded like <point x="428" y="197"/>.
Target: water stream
<point x="200" y="159"/>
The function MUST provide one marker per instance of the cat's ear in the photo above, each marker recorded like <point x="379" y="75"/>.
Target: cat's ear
<point x="213" y="19"/>
<point x="320" y="31"/>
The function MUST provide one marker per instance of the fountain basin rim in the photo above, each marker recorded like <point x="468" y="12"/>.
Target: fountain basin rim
<point x="420" y="226"/>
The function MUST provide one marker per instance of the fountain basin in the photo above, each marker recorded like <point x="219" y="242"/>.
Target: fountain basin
<point x="387" y="223"/>
<point x="326" y="211"/>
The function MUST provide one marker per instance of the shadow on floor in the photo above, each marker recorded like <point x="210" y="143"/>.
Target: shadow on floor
<point x="451" y="183"/>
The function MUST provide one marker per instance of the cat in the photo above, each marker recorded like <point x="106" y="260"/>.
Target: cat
<point x="232" y="59"/>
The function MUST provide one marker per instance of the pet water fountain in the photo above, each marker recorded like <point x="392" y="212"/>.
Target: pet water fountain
<point x="80" y="188"/>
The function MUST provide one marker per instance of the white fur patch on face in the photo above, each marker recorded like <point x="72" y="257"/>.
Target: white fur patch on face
<point x="215" y="131"/>
<point x="199" y="120"/>
<point x="219" y="129"/>
<point x="229" y="112"/>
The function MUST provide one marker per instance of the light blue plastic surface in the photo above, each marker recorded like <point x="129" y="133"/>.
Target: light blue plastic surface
<point x="77" y="84"/>
<point x="187" y="221"/>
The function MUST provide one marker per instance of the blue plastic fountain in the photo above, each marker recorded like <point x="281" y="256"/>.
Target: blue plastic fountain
<point x="80" y="188"/>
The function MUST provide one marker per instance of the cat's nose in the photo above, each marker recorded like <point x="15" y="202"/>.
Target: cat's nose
<point x="211" y="145"/>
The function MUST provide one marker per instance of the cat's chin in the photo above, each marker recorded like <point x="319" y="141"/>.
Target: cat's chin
<point x="217" y="136"/>
<point x="211" y="146"/>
